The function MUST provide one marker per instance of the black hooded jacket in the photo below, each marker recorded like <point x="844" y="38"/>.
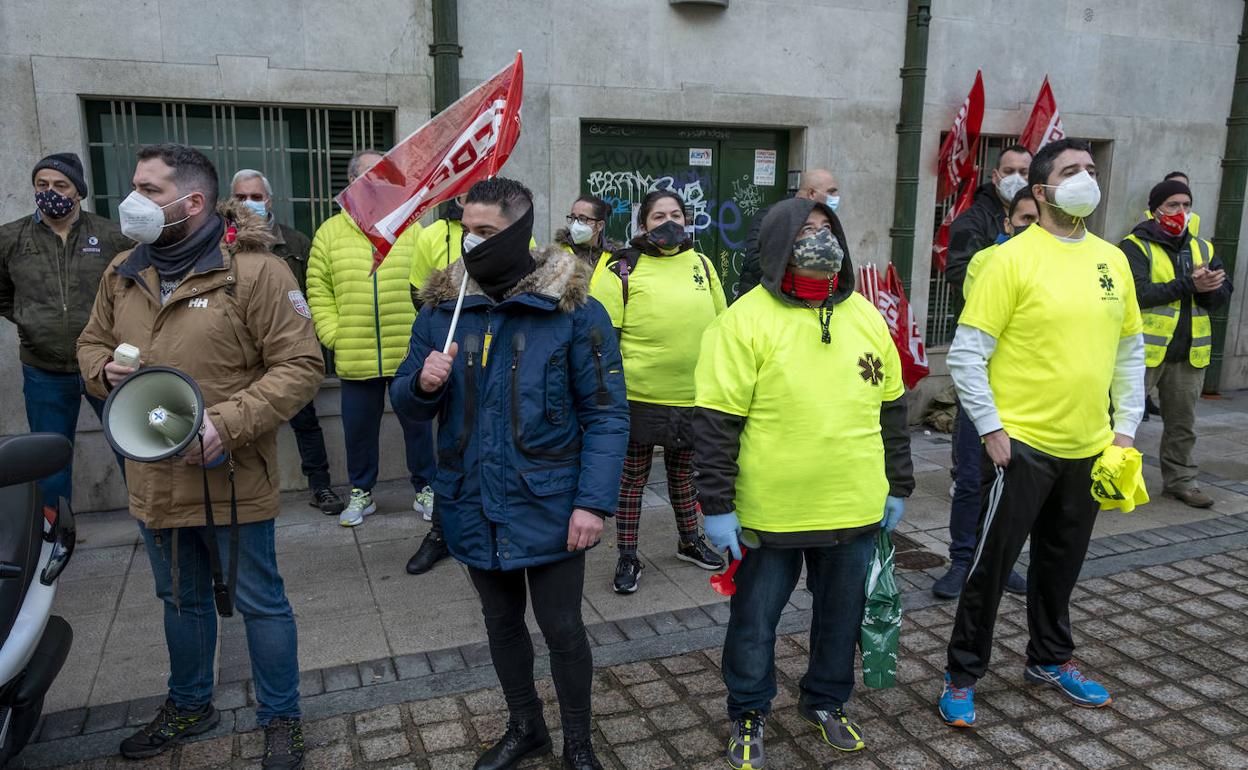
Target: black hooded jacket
<point x="717" y="435"/>
<point x="974" y="229"/>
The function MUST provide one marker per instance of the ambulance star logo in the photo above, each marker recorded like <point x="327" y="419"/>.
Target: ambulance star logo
<point x="1107" y="283"/>
<point x="871" y="368"/>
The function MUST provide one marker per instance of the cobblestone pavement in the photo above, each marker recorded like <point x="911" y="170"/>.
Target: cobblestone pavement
<point x="1169" y="640"/>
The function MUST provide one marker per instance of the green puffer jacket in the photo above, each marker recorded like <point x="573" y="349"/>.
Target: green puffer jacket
<point x="365" y="320"/>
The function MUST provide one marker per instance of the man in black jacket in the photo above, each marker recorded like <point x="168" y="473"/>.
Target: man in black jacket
<point x="817" y="185"/>
<point x="1178" y="282"/>
<point x="252" y="188"/>
<point x="978" y="227"/>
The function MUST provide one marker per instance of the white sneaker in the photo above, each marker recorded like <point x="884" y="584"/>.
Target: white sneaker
<point x="424" y="503"/>
<point x="360" y="506"/>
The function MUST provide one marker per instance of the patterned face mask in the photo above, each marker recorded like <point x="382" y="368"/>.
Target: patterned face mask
<point x="53" y="204"/>
<point x="820" y="251"/>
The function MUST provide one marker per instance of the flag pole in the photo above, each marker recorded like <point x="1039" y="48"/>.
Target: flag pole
<point x="459" y="305"/>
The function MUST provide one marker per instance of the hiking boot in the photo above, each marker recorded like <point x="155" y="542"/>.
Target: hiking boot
<point x="745" y="742"/>
<point x="283" y="745"/>
<point x="1016" y="583"/>
<point x="1071" y="682"/>
<point x="360" y="506"/>
<point x="627" y="574"/>
<point x="327" y="500"/>
<point x="578" y="753"/>
<point x="838" y="732"/>
<point x="423" y="503"/>
<point x="524" y="738"/>
<point x="432" y="550"/>
<point x="1191" y="496"/>
<point x="167" y="729"/>
<point x="957" y="704"/>
<point x="950" y="584"/>
<point x="699" y="553"/>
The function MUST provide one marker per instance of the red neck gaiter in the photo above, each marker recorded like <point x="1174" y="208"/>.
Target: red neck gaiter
<point x="808" y="289"/>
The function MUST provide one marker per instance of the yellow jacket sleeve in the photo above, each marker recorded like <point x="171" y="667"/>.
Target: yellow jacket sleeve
<point x="321" y="298"/>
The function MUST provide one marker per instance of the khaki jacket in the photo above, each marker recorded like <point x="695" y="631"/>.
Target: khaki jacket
<point x="239" y="326"/>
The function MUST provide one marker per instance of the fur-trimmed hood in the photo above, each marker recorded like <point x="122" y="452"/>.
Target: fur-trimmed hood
<point x="253" y="233"/>
<point x="559" y="275"/>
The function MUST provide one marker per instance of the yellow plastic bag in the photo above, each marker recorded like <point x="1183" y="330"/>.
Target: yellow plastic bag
<point x="1118" y="479"/>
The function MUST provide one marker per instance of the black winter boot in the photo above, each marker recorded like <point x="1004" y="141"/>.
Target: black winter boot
<point x="525" y="737"/>
<point x="578" y="752"/>
<point x="432" y="550"/>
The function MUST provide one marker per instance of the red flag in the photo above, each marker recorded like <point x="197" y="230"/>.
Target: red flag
<point x="465" y="143"/>
<point x="957" y="154"/>
<point x="1045" y="123"/>
<point x="940" y="244"/>
<point x="890" y="300"/>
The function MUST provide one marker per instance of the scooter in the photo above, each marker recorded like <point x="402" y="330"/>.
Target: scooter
<point x="36" y="542"/>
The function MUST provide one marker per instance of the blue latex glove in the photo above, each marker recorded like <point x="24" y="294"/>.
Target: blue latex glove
<point x="722" y="530"/>
<point x="894" y="507"/>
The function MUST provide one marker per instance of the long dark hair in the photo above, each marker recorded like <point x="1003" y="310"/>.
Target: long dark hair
<point x="651" y="200"/>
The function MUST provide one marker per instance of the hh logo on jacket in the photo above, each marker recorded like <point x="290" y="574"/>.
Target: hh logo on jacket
<point x="197" y="302"/>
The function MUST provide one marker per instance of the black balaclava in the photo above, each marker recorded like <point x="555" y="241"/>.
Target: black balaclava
<point x="501" y="261"/>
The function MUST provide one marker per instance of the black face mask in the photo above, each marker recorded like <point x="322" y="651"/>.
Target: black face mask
<point x="501" y="261"/>
<point x="667" y="236"/>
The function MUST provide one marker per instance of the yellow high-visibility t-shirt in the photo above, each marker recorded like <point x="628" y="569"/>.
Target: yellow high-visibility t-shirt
<point x="812" y="457"/>
<point x="671" y="301"/>
<point x="1057" y="311"/>
<point x="437" y="247"/>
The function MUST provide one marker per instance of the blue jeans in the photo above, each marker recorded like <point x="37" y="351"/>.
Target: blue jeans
<point x="965" y="509"/>
<point x="191" y="631"/>
<point x="52" y="403"/>
<point x="837" y="576"/>
<point x="363" y="405"/>
<point x="313" y="459"/>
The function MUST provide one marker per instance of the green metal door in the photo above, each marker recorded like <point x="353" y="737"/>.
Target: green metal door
<point x="725" y="176"/>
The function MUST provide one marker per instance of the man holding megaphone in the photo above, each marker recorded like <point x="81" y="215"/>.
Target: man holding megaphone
<point x="228" y="353"/>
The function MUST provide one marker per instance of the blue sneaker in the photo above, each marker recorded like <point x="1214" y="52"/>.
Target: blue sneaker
<point x="957" y="704"/>
<point x="1072" y="683"/>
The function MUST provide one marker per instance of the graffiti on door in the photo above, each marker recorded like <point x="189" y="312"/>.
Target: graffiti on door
<point x="623" y="191"/>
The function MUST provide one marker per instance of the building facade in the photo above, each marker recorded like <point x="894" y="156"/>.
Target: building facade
<point x="724" y="102"/>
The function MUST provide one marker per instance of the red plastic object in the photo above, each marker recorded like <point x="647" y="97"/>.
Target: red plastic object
<point x="723" y="582"/>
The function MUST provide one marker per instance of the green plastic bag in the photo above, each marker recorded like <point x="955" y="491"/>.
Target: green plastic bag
<point x="881" y="619"/>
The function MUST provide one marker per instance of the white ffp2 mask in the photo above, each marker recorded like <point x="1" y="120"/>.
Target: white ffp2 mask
<point x="1078" y="195"/>
<point x="142" y="219"/>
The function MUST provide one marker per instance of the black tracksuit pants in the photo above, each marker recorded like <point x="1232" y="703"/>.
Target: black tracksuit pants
<point x="1050" y="499"/>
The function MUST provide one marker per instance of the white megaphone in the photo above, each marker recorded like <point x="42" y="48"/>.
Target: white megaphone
<point x="154" y="414"/>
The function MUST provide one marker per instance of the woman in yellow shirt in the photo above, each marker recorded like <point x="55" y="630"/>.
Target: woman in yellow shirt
<point x="661" y="294"/>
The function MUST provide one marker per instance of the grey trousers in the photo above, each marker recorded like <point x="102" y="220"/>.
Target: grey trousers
<point x="1178" y="386"/>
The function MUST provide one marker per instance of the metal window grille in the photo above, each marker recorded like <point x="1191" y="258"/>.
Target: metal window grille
<point x="303" y="151"/>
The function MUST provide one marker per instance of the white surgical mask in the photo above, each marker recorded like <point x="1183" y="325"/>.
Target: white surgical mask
<point x="1078" y="195"/>
<point x="833" y="201"/>
<point x="1009" y="186"/>
<point x="261" y="210"/>
<point x="580" y="232"/>
<point x="471" y="241"/>
<point x="142" y="219"/>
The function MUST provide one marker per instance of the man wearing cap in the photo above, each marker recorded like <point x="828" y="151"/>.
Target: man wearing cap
<point x="800" y="367"/>
<point x="1178" y="282"/>
<point x="50" y="266"/>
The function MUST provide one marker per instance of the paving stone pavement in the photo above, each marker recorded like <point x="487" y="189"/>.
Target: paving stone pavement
<point x="1169" y="640"/>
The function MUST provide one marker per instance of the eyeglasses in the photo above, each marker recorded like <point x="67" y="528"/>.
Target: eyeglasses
<point x="583" y="220"/>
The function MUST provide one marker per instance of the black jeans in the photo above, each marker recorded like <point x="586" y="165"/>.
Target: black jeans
<point x="313" y="459"/>
<point x="556" y="590"/>
<point x="1049" y="499"/>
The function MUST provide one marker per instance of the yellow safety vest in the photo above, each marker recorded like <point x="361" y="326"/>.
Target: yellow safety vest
<point x="1161" y="321"/>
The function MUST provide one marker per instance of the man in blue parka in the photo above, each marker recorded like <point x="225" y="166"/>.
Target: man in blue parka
<point x="532" y="432"/>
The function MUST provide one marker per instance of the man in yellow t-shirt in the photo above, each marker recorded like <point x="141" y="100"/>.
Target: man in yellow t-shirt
<point x="799" y="437"/>
<point x="1050" y="335"/>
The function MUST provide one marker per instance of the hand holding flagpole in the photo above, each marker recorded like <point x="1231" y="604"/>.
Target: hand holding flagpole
<point x="459" y="305"/>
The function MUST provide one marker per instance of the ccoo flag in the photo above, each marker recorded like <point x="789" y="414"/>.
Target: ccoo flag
<point x="465" y="143"/>
<point x="957" y="153"/>
<point x="1045" y="123"/>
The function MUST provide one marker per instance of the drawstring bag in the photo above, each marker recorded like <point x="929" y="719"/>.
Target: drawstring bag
<point x="881" y="618"/>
